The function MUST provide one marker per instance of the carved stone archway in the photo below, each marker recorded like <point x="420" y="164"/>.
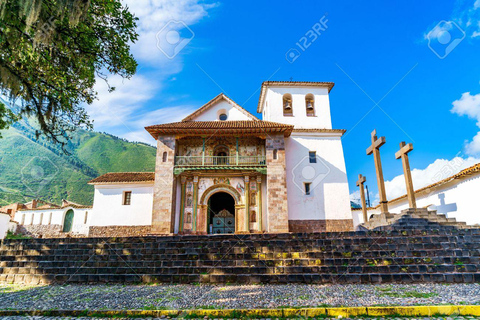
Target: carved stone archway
<point x="239" y="207"/>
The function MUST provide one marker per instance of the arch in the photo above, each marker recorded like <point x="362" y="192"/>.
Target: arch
<point x="287" y="105"/>
<point x="68" y="220"/>
<point x="310" y="104"/>
<point x="221" y="148"/>
<point x="221" y="187"/>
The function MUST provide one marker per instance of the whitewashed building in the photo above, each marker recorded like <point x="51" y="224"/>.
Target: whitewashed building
<point x="452" y="196"/>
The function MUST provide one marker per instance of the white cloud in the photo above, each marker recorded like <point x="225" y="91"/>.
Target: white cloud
<point x="438" y="170"/>
<point x="476" y="5"/>
<point x="469" y="105"/>
<point x="128" y="109"/>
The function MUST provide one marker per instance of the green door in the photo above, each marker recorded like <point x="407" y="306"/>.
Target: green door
<point x="67" y="224"/>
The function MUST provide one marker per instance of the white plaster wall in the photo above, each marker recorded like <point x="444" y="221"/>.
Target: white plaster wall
<point x="4" y="224"/>
<point x="273" y="108"/>
<point x="329" y="198"/>
<point x="456" y="200"/>
<point x="42" y="217"/>
<point x="214" y="111"/>
<point x="108" y="208"/>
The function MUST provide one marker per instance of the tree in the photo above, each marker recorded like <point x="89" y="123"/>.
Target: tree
<point x="52" y="52"/>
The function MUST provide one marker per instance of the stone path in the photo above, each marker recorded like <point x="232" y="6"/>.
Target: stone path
<point x="157" y="297"/>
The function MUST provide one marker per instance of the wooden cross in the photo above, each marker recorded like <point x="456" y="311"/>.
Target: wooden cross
<point x="375" y="149"/>
<point x="403" y="153"/>
<point x="360" y="182"/>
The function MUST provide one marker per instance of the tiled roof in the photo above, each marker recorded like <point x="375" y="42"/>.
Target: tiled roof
<point x="71" y="204"/>
<point x="462" y="174"/>
<point x="221" y="96"/>
<point x="267" y="84"/>
<point x="220" y="127"/>
<point x="342" y="131"/>
<point x="124" y="177"/>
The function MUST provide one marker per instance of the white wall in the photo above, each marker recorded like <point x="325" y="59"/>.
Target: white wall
<point x="456" y="199"/>
<point x="4" y="224"/>
<point x="108" y="208"/>
<point x="329" y="198"/>
<point x="222" y="106"/>
<point x="55" y="217"/>
<point x="273" y="108"/>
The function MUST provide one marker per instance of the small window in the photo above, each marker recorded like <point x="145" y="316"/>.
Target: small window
<point x="86" y="217"/>
<point x="223" y="117"/>
<point x="287" y="105"/>
<point x="307" y="188"/>
<point x="275" y="154"/>
<point x="310" y="105"/>
<point x="127" y="198"/>
<point x="312" y="157"/>
<point x="164" y="156"/>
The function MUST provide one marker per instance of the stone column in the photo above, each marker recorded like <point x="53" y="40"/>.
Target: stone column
<point x="195" y="204"/>
<point x="246" y="219"/>
<point x="239" y="214"/>
<point x="182" y="203"/>
<point x="277" y="207"/>
<point x="164" y="194"/>
<point x="259" y="204"/>
<point x="202" y="227"/>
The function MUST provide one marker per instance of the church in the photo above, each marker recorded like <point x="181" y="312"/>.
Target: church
<point x="223" y="170"/>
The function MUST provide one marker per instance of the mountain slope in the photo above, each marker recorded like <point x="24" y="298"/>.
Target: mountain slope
<point x="31" y="168"/>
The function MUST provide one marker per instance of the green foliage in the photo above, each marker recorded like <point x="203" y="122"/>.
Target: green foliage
<point x="91" y="154"/>
<point x="11" y="235"/>
<point x="53" y="51"/>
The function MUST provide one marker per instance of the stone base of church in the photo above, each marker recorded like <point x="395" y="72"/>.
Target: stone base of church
<point x="41" y="231"/>
<point x="320" y="225"/>
<point x="119" y="231"/>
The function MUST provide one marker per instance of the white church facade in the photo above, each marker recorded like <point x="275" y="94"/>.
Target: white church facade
<point x="223" y="170"/>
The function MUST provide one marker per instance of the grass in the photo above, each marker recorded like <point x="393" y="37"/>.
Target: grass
<point x="11" y="235"/>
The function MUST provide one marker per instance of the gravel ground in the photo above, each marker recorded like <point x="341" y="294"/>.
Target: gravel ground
<point x="146" y="297"/>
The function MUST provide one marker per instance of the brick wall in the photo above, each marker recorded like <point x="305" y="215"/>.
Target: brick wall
<point x="164" y="187"/>
<point x="277" y="208"/>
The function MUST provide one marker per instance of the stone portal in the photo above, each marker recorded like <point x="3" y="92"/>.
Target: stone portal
<point x="221" y="213"/>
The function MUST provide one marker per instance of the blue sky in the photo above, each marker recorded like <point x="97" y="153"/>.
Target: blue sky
<point x="386" y="75"/>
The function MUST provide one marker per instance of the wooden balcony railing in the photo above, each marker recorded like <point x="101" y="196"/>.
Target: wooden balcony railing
<point x="221" y="161"/>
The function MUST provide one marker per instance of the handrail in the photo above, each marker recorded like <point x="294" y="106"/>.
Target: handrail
<point x="209" y="161"/>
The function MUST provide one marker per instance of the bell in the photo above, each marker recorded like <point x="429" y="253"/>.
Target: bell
<point x="309" y="105"/>
<point x="288" y="105"/>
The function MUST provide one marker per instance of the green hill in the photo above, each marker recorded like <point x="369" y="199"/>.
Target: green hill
<point x="31" y="168"/>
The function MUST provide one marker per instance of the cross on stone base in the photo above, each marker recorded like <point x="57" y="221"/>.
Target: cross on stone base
<point x="403" y="154"/>
<point x="375" y="149"/>
<point x="360" y="182"/>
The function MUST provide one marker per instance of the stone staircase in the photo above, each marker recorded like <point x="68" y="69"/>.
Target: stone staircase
<point x="397" y="256"/>
<point x="411" y="219"/>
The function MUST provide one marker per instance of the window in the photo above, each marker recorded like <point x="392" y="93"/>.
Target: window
<point x="312" y="156"/>
<point x="310" y="105"/>
<point x="275" y="154"/>
<point x="86" y="217"/>
<point x="127" y="198"/>
<point x="287" y="105"/>
<point x="307" y="188"/>
<point x="164" y="156"/>
<point x="223" y="117"/>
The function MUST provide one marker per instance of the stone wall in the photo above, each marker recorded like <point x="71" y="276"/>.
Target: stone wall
<point x="42" y="231"/>
<point x="119" y="231"/>
<point x="320" y="225"/>
<point x="165" y="184"/>
<point x="276" y="185"/>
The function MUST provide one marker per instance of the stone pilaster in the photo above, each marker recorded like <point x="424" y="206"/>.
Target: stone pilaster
<point x="246" y="218"/>
<point x="163" y="215"/>
<point x="277" y="208"/>
<point x="259" y="204"/>
<point x="195" y="204"/>
<point x="183" y="181"/>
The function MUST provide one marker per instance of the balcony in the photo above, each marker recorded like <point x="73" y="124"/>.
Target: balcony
<point x="257" y="163"/>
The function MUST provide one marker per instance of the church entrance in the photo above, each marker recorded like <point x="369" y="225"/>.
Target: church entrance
<point x="221" y="213"/>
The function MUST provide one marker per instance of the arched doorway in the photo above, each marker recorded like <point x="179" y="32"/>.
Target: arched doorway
<point x="221" y="213"/>
<point x="68" y="221"/>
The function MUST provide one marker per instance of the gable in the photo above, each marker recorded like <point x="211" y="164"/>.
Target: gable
<point x="221" y="104"/>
